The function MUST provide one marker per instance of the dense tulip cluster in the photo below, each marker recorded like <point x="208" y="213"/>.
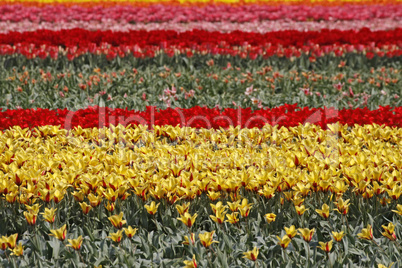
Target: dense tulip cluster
<point x="95" y="168"/>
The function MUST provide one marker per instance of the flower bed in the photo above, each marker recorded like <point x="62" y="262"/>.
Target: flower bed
<point x="200" y="134"/>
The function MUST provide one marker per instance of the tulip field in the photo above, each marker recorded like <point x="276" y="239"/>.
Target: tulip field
<point x="195" y="133"/>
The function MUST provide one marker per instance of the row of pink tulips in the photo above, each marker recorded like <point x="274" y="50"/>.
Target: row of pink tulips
<point x="160" y="13"/>
<point x="225" y="27"/>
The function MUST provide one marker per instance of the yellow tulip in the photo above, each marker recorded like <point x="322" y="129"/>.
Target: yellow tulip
<point x="12" y="241"/>
<point x="219" y="216"/>
<point x="338" y="236"/>
<point x="233" y="206"/>
<point x="117" y="220"/>
<point x="60" y="233"/>
<point x="130" y="231"/>
<point x="187" y="241"/>
<point x="58" y="196"/>
<point x="31" y="218"/>
<point x="291" y="231"/>
<point x="187" y="219"/>
<point x="94" y="200"/>
<point x="324" y="212"/>
<point x="34" y="209"/>
<point x="206" y="238"/>
<point x="252" y="254"/>
<point x="109" y="207"/>
<point x="78" y="196"/>
<point x="367" y="233"/>
<point x="152" y="208"/>
<point x="389" y="231"/>
<point x="85" y="207"/>
<point x="218" y="207"/>
<point x="190" y="264"/>
<point x="383" y="266"/>
<point x="307" y="234"/>
<point x="49" y="214"/>
<point x="327" y="246"/>
<point x="300" y="210"/>
<point x="116" y="237"/>
<point x="183" y="208"/>
<point x="232" y="218"/>
<point x="284" y="241"/>
<point x="342" y="206"/>
<point x="399" y="209"/>
<point x="75" y="243"/>
<point x="270" y="217"/>
<point x="46" y="195"/>
<point x="18" y="250"/>
<point x="213" y="195"/>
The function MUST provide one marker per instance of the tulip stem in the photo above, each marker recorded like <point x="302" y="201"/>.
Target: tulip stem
<point x="5" y="253"/>
<point x="209" y="259"/>
<point x="329" y="260"/>
<point x="79" y="253"/>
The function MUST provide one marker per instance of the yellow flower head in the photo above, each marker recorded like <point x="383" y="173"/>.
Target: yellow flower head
<point x="94" y="200"/>
<point x="34" y="209"/>
<point x="18" y="250"/>
<point x="183" y="208"/>
<point x="116" y="237"/>
<point x="31" y="218"/>
<point x="214" y="195"/>
<point x="307" y="234"/>
<point x="60" y="233"/>
<point x="130" y="231"/>
<point x="399" y="209"/>
<point x="206" y="238"/>
<point x="389" y="231"/>
<point x="367" y="233"/>
<point x="252" y="254"/>
<point x="117" y="220"/>
<point x="270" y="217"/>
<point x="342" y="206"/>
<point x="109" y="207"/>
<point x="152" y="208"/>
<point x="233" y="206"/>
<point x="190" y="264"/>
<point x="383" y="266"/>
<point x="49" y="214"/>
<point x="85" y="207"/>
<point x="187" y="219"/>
<point x="338" y="236"/>
<point x="12" y="241"/>
<point x="232" y="218"/>
<point x="187" y="240"/>
<point x="291" y="231"/>
<point x="75" y="243"/>
<point x="219" y="216"/>
<point x="218" y="207"/>
<point x="300" y="210"/>
<point x="324" y="212"/>
<point x="327" y="246"/>
<point x="284" y="241"/>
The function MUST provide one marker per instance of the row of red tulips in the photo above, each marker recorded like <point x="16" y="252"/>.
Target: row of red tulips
<point x="191" y="39"/>
<point x="161" y="13"/>
<point x="201" y="117"/>
<point x="31" y="51"/>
